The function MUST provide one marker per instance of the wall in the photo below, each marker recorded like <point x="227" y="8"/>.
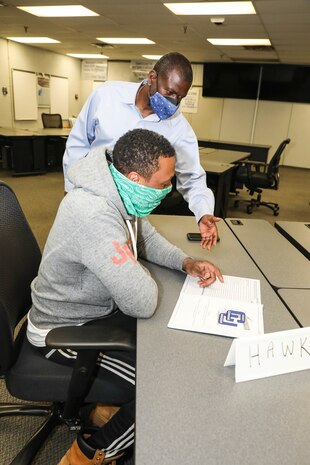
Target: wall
<point x="23" y="57"/>
<point x="268" y="124"/>
<point x="227" y="119"/>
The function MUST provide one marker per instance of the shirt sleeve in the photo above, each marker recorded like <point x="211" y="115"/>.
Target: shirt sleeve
<point x="81" y="136"/>
<point x="107" y="254"/>
<point x="191" y="177"/>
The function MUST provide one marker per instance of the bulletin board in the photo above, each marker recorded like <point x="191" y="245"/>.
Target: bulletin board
<point x="59" y="94"/>
<point x="25" y="95"/>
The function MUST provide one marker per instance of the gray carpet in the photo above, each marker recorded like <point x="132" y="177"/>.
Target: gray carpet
<point x="40" y="197"/>
<point x="15" y="431"/>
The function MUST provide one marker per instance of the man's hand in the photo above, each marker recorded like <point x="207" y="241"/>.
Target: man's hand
<point x="208" y="230"/>
<point x="205" y="271"/>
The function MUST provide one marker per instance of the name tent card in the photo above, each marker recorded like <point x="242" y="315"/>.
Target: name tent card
<point x="271" y="354"/>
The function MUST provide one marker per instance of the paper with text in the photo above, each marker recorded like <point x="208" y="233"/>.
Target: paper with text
<point x="231" y="309"/>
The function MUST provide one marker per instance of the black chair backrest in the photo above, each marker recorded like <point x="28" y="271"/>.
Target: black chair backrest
<point x="51" y="120"/>
<point x="20" y="257"/>
<point x="273" y="166"/>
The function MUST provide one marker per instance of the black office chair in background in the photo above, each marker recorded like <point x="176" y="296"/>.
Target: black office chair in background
<point x="55" y="146"/>
<point x="257" y="176"/>
<point x="51" y="120"/>
<point x="28" y="375"/>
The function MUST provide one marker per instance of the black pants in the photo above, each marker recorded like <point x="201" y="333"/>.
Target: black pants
<point x="118" y="367"/>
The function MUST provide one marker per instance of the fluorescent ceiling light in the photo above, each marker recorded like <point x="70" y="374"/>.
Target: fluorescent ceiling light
<point x="124" y="40"/>
<point x="87" y="55"/>
<point x="212" y="8"/>
<point x="240" y="42"/>
<point x="152" y="57"/>
<point x="34" y="40"/>
<point x="58" y="11"/>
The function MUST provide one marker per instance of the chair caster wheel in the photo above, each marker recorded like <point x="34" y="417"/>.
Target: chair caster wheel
<point x="276" y="213"/>
<point x="236" y="203"/>
<point x="249" y="210"/>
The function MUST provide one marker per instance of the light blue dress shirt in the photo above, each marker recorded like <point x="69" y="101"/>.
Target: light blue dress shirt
<point x="110" y="112"/>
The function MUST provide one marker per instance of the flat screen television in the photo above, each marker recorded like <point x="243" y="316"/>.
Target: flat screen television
<point x="231" y="80"/>
<point x="287" y="83"/>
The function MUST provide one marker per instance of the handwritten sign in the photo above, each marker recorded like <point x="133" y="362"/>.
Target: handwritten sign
<point x="272" y="354"/>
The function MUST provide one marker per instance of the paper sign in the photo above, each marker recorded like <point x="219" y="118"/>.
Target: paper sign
<point x="231" y="309"/>
<point x="270" y="354"/>
<point x="189" y="103"/>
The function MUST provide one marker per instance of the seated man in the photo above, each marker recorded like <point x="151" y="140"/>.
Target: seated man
<point x="90" y="267"/>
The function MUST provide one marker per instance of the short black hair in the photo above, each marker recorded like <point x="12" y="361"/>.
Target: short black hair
<point x="175" y="60"/>
<point x="139" y="150"/>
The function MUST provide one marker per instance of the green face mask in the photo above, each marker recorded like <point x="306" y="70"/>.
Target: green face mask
<point x="138" y="200"/>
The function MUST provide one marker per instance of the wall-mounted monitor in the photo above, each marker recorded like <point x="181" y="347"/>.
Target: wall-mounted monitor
<point x="287" y="83"/>
<point x="230" y="80"/>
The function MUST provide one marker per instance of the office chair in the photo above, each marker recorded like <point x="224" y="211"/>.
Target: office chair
<point x="51" y="120"/>
<point x="55" y="146"/>
<point x="28" y="375"/>
<point x="257" y="176"/>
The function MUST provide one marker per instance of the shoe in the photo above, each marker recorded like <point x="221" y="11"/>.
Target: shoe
<point x="102" y="413"/>
<point x="80" y="451"/>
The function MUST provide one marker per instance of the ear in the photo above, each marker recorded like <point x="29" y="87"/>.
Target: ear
<point x="133" y="176"/>
<point x="151" y="77"/>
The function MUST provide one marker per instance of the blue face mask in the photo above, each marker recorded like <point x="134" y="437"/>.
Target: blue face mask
<point x="164" y="107"/>
<point x="138" y="200"/>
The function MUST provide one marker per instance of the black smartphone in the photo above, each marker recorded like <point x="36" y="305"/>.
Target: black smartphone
<point x="196" y="237"/>
<point x="236" y="222"/>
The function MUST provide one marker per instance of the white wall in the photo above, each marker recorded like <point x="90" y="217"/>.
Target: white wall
<point x="237" y="121"/>
<point x="23" y="57"/>
<point x="226" y="119"/>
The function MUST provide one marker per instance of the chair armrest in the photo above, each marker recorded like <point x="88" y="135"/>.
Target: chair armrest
<point x="91" y="337"/>
<point x="256" y="164"/>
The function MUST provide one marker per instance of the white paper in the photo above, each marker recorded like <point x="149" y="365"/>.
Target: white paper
<point x="272" y="354"/>
<point x="230" y="309"/>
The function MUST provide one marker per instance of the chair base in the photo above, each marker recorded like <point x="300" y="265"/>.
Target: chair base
<point x="53" y="417"/>
<point x="256" y="203"/>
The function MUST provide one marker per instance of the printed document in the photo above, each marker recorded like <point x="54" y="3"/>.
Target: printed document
<point x="232" y="308"/>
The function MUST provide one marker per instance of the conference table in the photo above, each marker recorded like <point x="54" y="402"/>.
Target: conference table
<point x="30" y="151"/>
<point x="220" y="166"/>
<point x="258" y="152"/>
<point x="298" y="233"/>
<point x="189" y="409"/>
<point x="280" y="262"/>
<point x="297" y="301"/>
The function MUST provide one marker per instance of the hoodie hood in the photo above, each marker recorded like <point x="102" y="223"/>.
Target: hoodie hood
<point x="92" y="175"/>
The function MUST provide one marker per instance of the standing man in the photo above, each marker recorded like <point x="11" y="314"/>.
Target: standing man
<point x="91" y="267"/>
<point x="116" y="107"/>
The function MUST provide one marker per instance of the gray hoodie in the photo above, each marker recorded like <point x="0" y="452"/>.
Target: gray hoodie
<point x="88" y="268"/>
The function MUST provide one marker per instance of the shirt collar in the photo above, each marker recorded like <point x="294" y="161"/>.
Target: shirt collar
<point x="130" y="95"/>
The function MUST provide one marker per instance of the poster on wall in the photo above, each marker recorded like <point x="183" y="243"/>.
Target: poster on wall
<point x="141" y="68"/>
<point x="94" y="70"/>
<point x="189" y="103"/>
<point x="43" y="90"/>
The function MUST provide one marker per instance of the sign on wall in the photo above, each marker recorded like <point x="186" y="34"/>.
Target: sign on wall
<point x="94" y="70"/>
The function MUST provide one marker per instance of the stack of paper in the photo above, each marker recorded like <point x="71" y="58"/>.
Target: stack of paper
<point x="232" y="308"/>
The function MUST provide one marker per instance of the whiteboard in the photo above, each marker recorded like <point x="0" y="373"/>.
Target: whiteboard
<point x="59" y="94"/>
<point x="25" y="95"/>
